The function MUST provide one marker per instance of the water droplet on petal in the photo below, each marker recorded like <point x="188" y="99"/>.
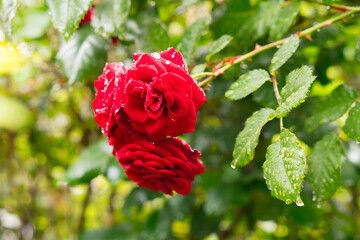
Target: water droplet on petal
<point x="156" y="55"/>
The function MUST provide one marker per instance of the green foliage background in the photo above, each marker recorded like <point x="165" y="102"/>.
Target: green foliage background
<point x="58" y="179"/>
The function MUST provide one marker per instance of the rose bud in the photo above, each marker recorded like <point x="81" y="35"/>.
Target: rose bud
<point x="165" y="165"/>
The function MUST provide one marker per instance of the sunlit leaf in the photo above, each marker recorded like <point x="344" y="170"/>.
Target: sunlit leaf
<point x="110" y="16"/>
<point x="248" y="138"/>
<point x="190" y="37"/>
<point x="67" y="14"/>
<point x="219" y="45"/>
<point x="324" y="167"/>
<point x="83" y="56"/>
<point x="352" y="125"/>
<point x="295" y="90"/>
<point x="284" y="53"/>
<point x="247" y="83"/>
<point x="331" y="107"/>
<point x="284" y="168"/>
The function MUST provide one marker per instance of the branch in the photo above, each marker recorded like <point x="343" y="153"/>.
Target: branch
<point x="336" y="7"/>
<point x="219" y="69"/>
<point x="83" y="210"/>
<point x="278" y="97"/>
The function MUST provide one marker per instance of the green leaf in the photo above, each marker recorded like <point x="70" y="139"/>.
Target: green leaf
<point x="114" y="173"/>
<point x="248" y="138"/>
<point x="295" y="90"/>
<point x="110" y="16"/>
<point x="198" y="69"/>
<point x="156" y="34"/>
<point x="137" y="198"/>
<point x="190" y="37"/>
<point x="125" y="230"/>
<point x="8" y="11"/>
<point x="265" y="96"/>
<point x="219" y="200"/>
<point x="247" y="83"/>
<point x="284" y="53"/>
<point x="67" y="14"/>
<point x="259" y="24"/>
<point x="92" y="161"/>
<point x="83" y="56"/>
<point x="38" y="18"/>
<point x="219" y="45"/>
<point x="324" y="167"/>
<point x="284" y="168"/>
<point x="13" y="114"/>
<point x="352" y="125"/>
<point x="284" y="20"/>
<point x="331" y="107"/>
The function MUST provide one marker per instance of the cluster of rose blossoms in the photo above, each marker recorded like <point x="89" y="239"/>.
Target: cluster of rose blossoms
<point x="142" y="109"/>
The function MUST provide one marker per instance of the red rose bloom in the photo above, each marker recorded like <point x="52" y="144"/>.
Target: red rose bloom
<point x="164" y="165"/>
<point x="160" y="97"/>
<point x="107" y="102"/>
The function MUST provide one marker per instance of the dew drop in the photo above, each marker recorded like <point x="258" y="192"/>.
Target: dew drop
<point x="167" y="62"/>
<point x="233" y="165"/>
<point x="299" y="202"/>
<point x="156" y="55"/>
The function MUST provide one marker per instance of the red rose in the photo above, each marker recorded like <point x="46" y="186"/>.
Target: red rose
<point x="107" y="101"/>
<point x="160" y="97"/>
<point x="164" y="165"/>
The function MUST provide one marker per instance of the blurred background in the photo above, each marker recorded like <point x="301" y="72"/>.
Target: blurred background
<point x="58" y="179"/>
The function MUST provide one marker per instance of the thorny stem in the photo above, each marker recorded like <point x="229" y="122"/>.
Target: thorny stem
<point x="199" y="75"/>
<point x="333" y="6"/>
<point x="258" y="49"/>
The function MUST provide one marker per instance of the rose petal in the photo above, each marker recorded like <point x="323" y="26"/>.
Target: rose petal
<point x="147" y="59"/>
<point x="173" y="56"/>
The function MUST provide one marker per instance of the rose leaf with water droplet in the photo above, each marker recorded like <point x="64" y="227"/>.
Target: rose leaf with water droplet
<point x="247" y="83"/>
<point x="248" y="138"/>
<point x="290" y="168"/>
<point x="295" y="90"/>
